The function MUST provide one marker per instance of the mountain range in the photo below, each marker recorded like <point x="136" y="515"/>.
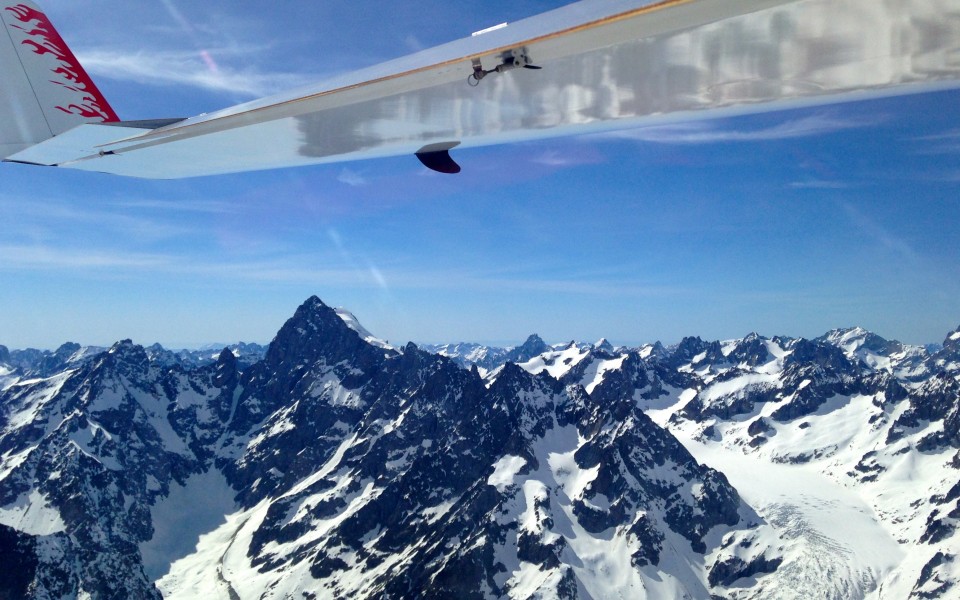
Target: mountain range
<point x="330" y="464"/>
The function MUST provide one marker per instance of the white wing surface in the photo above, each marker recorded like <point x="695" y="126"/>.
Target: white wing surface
<point x="600" y="65"/>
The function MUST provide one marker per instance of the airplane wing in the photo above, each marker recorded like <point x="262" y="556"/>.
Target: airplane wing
<point x="591" y="66"/>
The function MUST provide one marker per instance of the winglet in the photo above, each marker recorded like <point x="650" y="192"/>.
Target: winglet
<point x="437" y="157"/>
<point x="46" y="91"/>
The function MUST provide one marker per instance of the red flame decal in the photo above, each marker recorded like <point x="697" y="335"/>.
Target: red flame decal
<point x="46" y="40"/>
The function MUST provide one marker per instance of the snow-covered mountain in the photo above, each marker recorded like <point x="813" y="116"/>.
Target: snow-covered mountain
<point x="846" y="445"/>
<point x="338" y="466"/>
<point x="31" y="362"/>
<point x="490" y="358"/>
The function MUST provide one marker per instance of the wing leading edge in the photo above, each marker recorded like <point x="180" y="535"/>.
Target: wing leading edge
<point x="599" y="65"/>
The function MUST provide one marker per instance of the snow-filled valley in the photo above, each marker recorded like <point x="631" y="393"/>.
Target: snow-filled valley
<point x="333" y="465"/>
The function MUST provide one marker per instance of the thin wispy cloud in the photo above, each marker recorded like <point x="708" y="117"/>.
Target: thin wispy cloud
<point x="947" y="142"/>
<point x="187" y="68"/>
<point x="131" y="265"/>
<point x="707" y="132"/>
<point x="568" y="287"/>
<point x="413" y="43"/>
<point x="177" y="206"/>
<point x="372" y="277"/>
<point x="554" y="158"/>
<point x="951" y="135"/>
<point x="351" y="178"/>
<point x="948" y="176"/>
<point x="454" y="280"/>
<point x="379" y="278"/>
<point x="67" y="217"/>
<point x="298" y="270"/>
<point x="184" y="23"/>
<point x="24" y="256"/>
<point x="819" y="184"/>
<point x="881" y="235"/>
<point x="939" y="149"/>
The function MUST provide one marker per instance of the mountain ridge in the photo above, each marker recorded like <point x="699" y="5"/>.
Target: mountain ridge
<point x="346" y="467"/>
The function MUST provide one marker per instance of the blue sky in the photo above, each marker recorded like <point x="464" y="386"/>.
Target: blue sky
<point x="784" y="223"/>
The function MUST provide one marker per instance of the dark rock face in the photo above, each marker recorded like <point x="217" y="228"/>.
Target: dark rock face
<point x="18" y="554"/>
<point x="950" y="348"/>
<point x="751" y="351"/>
<point x="726" y="573"/>
<point x="633" y="375"/>
<point x="110" y="436"/>
<point x="930" y="583"/>
<point x="937" y="399"/>
<point x="759" y="426"/>
<point x="58" y="360"/>
<point x="97" y="448"/>
<point x="814" y="373"/>
<point x="819" y="354"/>
<point x="695" y="351"/>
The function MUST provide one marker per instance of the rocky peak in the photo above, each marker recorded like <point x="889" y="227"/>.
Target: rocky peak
<point x="618" y="384"/>
<point x="314" y="315"/>
<point x="65" y="351"/>
<point x="853" y="339"/>
<point x="604" y="345"/>
<point x="783" y="341"/>
<point x="226" y="369"/>
<point x="129" y="357"/>
<point x="690" y="348"/>
<point x="952" y="341"/>
<point x="414" y="359"/>
<point x="51" y="363"/>
<point x="315" y="333"/>
<point x="947" y="358"/>
<point x="751" y="350"/>
<point x="4" y="354"/>
<point x="515" y="378"/>
<point x="226" y="358"/>
<point x="313" y="344"/>
<point x="819" y="353"/>
<point x="530" y="348"/>
<point x="26" y="359"/>
<point x="655" y="351"/>
<point x="162" y="357"/>
<point x="123" y="346"/>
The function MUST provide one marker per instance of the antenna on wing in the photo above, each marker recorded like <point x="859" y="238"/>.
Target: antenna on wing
<point x="509" y="60"/>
